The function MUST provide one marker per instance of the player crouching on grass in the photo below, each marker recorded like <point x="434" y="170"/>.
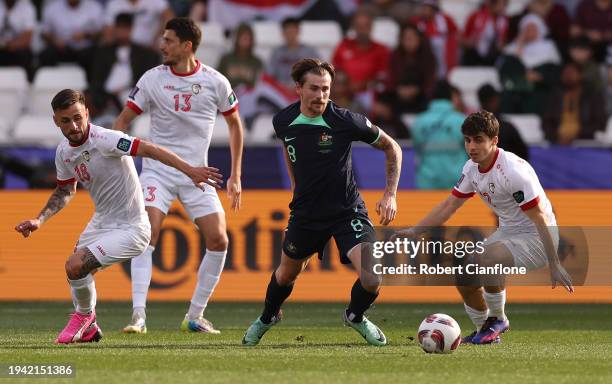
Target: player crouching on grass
<point x="317" y="136"/>
<point x="527" y="235"/>
<point x="119" y="229"/>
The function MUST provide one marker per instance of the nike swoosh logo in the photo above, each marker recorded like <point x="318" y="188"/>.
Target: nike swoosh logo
<point x="357" y="236"/>
<point x="289" y="139"/>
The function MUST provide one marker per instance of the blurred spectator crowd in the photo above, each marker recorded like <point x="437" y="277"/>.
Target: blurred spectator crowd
<point x="399" y="61"/>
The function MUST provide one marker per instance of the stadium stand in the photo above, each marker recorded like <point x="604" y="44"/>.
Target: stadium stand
<point x="262" y="130"/>
<point x="220" y="133"/>
<point x="529" y="127"/>
<point x="37" y="131"/>
<point x="268" y="35"/>
<point x="213" y="45"/>
<point x="5" y="137"/>
<point x="13" y="92"/>
<point x="323" y="35"/>
<point x="386" y="31"/>
<point x="48" y="81"/>
<point x="469" y="79"/>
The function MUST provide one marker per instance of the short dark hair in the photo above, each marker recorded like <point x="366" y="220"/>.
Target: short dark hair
<point x="186" y="30"/>
<point x="480" y="122"/>
<point x="442" y="90"/>
<point x="124" y="20"/>
<point x="65" y="98"/>
<point x="311" y="65"/>
<point x="290" y="21"/>
<point x="486" y="93"/>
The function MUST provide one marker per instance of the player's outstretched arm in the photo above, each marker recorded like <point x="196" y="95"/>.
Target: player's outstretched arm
<point x="199" y="175"/>
<point x="236" y="133"/>
<point x="124" y="119"/>
<point x="58" y="200"/>
<point x="558" y="274"/>
<point x="387" y="206"/>
<point x="436" y="217"/>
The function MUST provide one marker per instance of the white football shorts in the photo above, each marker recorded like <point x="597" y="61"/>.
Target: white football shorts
<point x="159" y="193"/>
<point x="527" y="249"/>
<point x="115" y="245"/>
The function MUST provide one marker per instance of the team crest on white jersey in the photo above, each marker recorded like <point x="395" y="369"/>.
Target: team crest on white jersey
<point x="86" y="155"/>
<point x="196" y="88"/>
<point x="492" y="187"/>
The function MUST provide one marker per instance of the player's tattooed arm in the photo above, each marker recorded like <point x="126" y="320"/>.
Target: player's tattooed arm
<point x="387" y="206"/>
<point x="58" y="200"/>
<point x="393" y="153"/>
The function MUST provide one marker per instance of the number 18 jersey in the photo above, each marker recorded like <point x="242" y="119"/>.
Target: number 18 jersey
<point x="102" y="164"/>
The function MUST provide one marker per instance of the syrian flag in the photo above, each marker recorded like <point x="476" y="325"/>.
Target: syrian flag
<point x="267" y="89"/>
<point x="230" y="13"/>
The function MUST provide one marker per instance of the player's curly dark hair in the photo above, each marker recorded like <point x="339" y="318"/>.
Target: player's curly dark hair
<point x="480" y="122"/>
<point x="65" y="98"/>
<point x="186" y="30"/>
<point x="311" y="65"/>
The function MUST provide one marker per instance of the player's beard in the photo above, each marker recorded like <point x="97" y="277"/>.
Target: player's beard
<point x="317" y="106"/>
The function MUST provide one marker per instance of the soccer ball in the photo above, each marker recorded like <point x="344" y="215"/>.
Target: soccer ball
<point x="439" y="333"/>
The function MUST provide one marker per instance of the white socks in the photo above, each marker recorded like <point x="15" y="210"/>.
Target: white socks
<point x="83" y="294"/>
<point x="142" y="268"/>
<point x="208" y="277"/>
<point x="477" y="317"/>
<point x="496" y="303"/>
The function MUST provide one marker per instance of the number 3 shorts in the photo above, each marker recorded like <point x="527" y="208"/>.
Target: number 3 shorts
<point x="160" y="194"/>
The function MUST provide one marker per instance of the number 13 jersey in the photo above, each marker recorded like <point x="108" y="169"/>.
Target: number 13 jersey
<point x="183" y="109"/>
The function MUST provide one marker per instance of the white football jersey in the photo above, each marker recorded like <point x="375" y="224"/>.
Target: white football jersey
<point x="102" y="165"/>
<point x="183" y="109"/>
<point x="509" y="187"/>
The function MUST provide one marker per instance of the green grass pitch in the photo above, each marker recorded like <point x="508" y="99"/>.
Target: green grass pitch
<point x="546" y="344"/>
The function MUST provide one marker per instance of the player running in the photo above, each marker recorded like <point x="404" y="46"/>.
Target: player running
<point x="119" y="229"/>
<point x="183" y="97"/>
<point x="317" y="135"/>
<point x="527" y="235"/>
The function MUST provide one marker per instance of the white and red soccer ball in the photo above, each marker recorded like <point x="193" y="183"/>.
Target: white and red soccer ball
<point x="439" y="333"/>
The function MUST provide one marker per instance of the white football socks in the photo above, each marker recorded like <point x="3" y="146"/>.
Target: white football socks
<point x="477" y="317"/>
<point x="209" y="274"/>
<point x="83" y="294"/>
<point x="496" y="303"/>
<point x="142" y="268"/>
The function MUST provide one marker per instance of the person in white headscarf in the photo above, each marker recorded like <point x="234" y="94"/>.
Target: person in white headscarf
<point x="532" y="46"/>
<point x="530" y="67"/>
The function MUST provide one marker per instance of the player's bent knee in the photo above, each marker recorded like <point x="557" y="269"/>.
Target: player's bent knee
<point x="218" y="242"/>
<point x="370" y="285"/>
<point x="74" y="269"/>
<point x="286" y="276"/>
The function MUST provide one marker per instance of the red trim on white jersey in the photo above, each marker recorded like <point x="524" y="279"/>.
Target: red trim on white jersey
<point x="492" y="163"/>
<point x="461" y="195"/>
<point x="230" y="111"/>
<point x="66" y="182"/>
<point x="135" y="145"/>
<point x="531" y="204"/>
<point x="196" y="69"/>
<point x="131" y="105"/>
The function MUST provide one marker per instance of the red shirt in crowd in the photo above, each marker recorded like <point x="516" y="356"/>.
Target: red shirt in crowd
<point x="362" y="65"/>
